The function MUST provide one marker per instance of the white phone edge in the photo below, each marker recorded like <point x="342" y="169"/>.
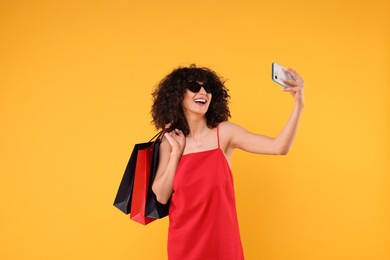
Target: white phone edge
<point x="278" y="74"/>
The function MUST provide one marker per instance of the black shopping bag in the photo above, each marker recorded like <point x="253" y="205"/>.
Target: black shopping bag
<point x="123" y="199"/>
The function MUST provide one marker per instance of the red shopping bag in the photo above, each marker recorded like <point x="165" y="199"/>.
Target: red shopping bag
<point x="140" y="188"/>
<point x="135" y="194"/>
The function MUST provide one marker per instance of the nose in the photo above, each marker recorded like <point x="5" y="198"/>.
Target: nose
<point x="202" y="90"/>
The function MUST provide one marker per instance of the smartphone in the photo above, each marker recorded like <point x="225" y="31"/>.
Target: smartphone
<point x="278" y="74"/>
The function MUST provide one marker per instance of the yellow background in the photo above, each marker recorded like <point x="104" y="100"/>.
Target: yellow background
<point x="76" y="78"/>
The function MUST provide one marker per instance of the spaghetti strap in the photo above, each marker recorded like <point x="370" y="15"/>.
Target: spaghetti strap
<point x="218" y="136"/>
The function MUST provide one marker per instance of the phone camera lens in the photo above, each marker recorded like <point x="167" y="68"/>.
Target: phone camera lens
<point x="276" y="77"/>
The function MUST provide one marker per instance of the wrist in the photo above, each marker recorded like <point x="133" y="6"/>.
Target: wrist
<point x="300" y="104"/>
<point x="176" y="155"/>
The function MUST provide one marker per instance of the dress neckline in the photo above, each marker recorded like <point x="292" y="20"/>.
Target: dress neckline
<point x="208" y="151"/>
<point x="205" y="151"/>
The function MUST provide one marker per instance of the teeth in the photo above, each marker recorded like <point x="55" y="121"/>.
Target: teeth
<point x="203" y="101"/>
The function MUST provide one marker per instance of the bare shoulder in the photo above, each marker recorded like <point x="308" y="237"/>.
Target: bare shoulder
<point x="227" y="131"/>
<point x="230" y="129"/>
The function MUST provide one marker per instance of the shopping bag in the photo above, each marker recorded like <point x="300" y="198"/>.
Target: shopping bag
<point x="124" y="194"/>
<point x="136" y="185"/>
<point x="153" y="208"/>
<point x="141" y="183"/>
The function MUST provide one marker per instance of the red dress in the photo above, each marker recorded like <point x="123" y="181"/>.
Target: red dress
<point x="203" y="221"/>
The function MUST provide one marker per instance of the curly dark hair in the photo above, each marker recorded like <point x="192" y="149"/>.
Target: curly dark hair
<point x="169" y="94"/>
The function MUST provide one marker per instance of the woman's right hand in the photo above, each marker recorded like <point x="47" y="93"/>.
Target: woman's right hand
<point x="177" y="140"/>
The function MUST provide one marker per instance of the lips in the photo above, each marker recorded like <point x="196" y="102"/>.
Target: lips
<point x="200" y="101"/>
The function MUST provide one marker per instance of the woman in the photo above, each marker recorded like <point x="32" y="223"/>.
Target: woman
<point x="195" y="157"/>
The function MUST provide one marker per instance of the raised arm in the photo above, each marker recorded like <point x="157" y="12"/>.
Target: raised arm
<point x="255" y="143"/>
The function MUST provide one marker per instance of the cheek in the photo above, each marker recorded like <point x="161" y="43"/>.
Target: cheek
<point x="186" y="101"/>
<point x="210" y="97"/>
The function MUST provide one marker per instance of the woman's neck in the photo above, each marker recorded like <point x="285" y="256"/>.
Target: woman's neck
<point x="197" y="126"/>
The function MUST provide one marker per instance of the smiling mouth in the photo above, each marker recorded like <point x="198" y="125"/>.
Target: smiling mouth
<point x="200" y="101"/>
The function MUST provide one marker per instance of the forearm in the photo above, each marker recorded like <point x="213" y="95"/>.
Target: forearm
<point x="286" y="137"/>
<point x="162" y="185"/>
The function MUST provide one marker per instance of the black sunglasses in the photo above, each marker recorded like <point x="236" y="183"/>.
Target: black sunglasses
<point x="195" y="87"/>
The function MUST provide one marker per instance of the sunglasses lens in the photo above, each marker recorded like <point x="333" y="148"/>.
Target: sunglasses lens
<point x="195" y="87"/>
<point x="207" y="89"/>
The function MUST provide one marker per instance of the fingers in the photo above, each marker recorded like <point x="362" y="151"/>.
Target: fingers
<point x="178" y="131"/>
<point x="292" y="83"/>
<point x="295" y="85"/>
<point x="176" y="139"/>
<point x="294" y="74"/>
<point x="174" y="135"/>
<point x="171" y="139"/>
<point x="292" y="89"/>
<point x="295" y="80"/>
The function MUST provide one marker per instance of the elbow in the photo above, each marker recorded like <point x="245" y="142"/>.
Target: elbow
<point x="160" y="197"/>
<point x="162" y="200"/>
<point x="281" y="147"/>
<point x="283" y="151"/>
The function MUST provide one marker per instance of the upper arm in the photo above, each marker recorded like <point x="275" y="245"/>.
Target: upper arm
<point x="238" y="137"/>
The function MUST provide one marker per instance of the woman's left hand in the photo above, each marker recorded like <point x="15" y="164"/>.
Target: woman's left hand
<point x="296" y="86"/>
